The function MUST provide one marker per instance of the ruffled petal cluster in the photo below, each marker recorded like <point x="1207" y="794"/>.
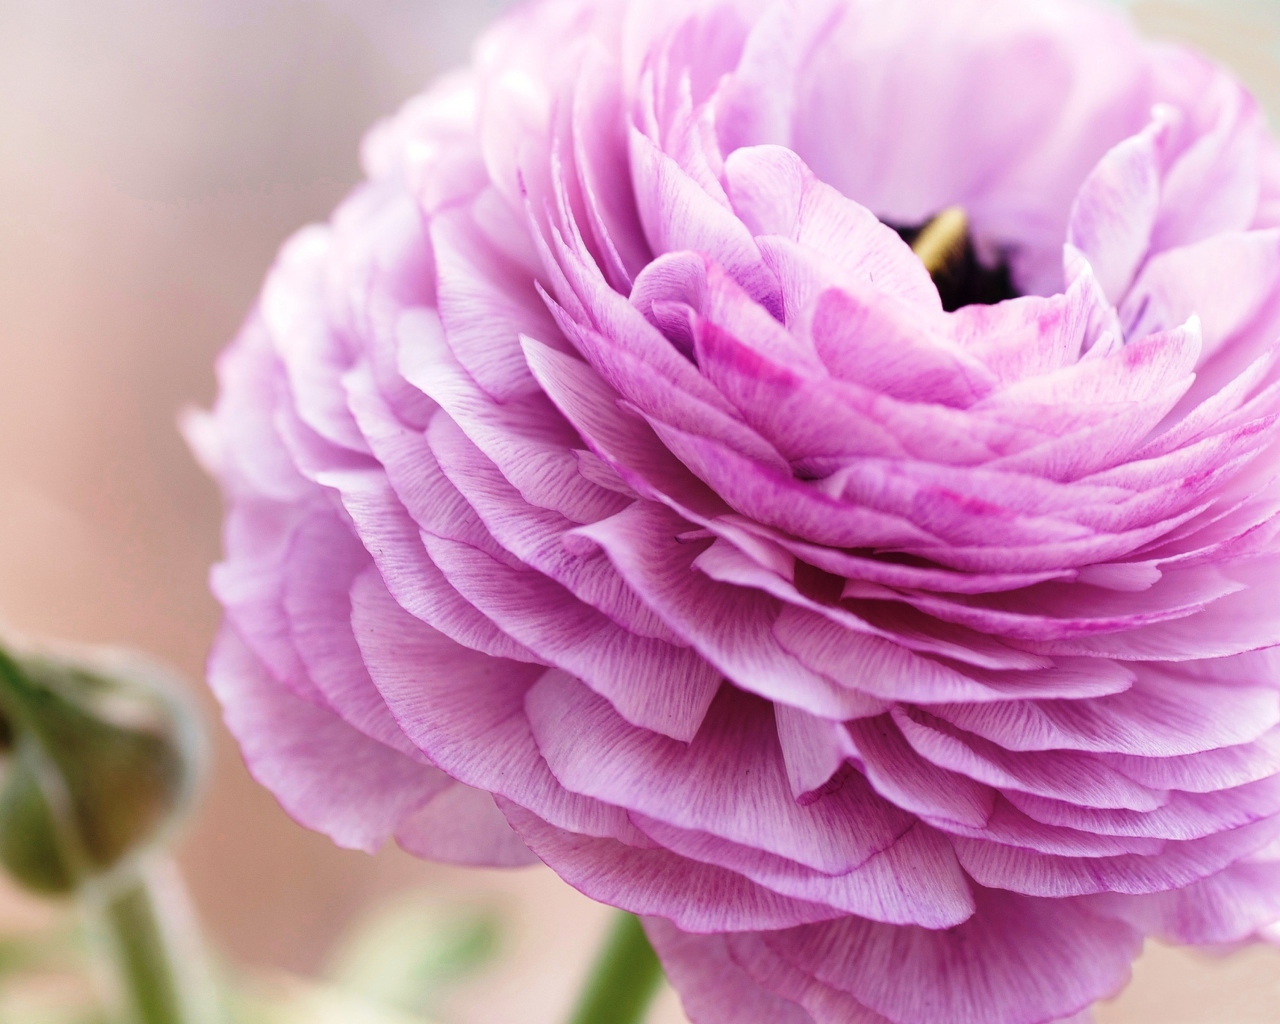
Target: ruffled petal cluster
<point x="610" y="485"/>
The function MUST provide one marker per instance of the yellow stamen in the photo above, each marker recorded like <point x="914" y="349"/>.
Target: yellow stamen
<point x="942" y="240"/>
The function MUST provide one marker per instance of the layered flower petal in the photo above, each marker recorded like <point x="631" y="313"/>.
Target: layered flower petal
<point x="804" y="470"/>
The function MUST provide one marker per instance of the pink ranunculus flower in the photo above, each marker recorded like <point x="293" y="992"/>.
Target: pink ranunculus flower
<point x="610" y="484"/>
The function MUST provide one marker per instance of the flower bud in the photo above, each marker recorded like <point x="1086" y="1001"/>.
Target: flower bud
<point x="101" y="754"/>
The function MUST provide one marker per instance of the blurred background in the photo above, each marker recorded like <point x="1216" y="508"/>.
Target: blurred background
<point x="152" y="157"/>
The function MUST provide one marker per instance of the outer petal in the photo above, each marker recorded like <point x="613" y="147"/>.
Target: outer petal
<point x="653" y="881"/>
<point x="464" y="826"/>
<point x="712" y="987"/>
<point x="1018" y="959"/>
<point x="1228" y="907"/>
<point x="328" y="776"/>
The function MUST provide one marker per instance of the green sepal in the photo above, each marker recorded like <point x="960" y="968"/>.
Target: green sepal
<point x="30" y="847"/>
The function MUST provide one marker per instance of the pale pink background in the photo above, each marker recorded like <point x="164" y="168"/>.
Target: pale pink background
<point x="152" y="156"/>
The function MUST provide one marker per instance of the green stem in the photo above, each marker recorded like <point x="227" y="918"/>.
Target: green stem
<point x="154" y="951"/>
<point x="625" y="978"/>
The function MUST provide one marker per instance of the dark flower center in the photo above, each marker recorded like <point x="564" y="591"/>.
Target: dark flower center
<point x="946" y="247"/>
